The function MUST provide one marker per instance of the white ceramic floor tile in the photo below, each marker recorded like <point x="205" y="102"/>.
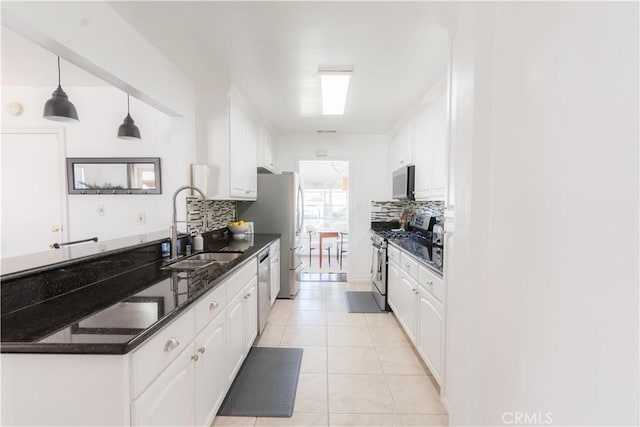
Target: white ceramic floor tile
<point x="311" y="294"/>
<point x="361" y="420"/>
<point x="389" y="337"/>
<point x="304" y="336"/>
<point x="425" y="420"/>
<point x="311" y="395"/>
<point x="299" y="419"/>
<point x="336" y="305"/>
<point x="415" y="394"/>
<point x="233" y="422"/>
<point x="353" y="360"/>
<point x="400" y="360"/>
<point x="349" y="336"/>
<point x="314" y="360"/>
<point x="307" y="317"/>
<point x="346" y="319"/>
<point x="367" y="394"/>
<point x="386" y="320"/>
<point x="278" y="317"/>
<point x="315" y="304"/>
<point x="271" y="336"/>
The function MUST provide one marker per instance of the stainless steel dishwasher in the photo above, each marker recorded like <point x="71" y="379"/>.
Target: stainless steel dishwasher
<point x="264" y="289"/>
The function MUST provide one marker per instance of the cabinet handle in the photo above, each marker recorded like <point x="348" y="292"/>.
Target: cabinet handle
<point x="430" y="282"/>
<point x="171" y="344"/>
<point x="407" y="265"/>
<point x="195" y="358"/>
<point x="201" y="350"/>
<point x="214" y="304"/>
<point x="401" y="161"/>
<point x="247" y="295"/>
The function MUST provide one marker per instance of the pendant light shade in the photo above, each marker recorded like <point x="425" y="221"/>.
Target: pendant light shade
<point x="128" y="129"/>
<point x="59" y="108"/>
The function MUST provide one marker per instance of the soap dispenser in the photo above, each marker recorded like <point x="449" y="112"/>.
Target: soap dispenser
<point x="198" y="242"/>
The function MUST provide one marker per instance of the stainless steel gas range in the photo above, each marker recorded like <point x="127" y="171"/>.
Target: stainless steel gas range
<point x="423" y="239"/>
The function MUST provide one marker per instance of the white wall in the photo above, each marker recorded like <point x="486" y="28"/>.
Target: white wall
<point x="543" y="284"/>
<point x="101" y="111"/>
<point x="368" y="180"/>
<point x="95" y="38"/>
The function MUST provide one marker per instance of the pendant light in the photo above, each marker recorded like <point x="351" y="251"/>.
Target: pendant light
<point x="59" y="108"/>
<point x="128" y="129"/>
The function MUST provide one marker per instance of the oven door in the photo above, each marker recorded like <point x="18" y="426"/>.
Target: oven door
<point x="379" y="268"/>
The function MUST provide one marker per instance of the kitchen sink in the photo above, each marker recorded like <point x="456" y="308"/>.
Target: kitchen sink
<point x="220" y="257"/>
<point x="190" y="264"/>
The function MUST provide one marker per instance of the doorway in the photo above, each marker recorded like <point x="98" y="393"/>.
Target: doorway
<point x="34" y="204"/>
<point x="325" y="185"/>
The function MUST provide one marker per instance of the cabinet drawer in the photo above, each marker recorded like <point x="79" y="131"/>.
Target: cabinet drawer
<point x="210" y="305"/>
<point x="431" y="283"/>
<point x="393" y="254"/>
<point x="239" y="280"/>
<point x="158" y="352"/>
<point x="409" y="265"/>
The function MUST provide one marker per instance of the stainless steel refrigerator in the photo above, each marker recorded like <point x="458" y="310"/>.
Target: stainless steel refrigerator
<point x="279" y="209"/>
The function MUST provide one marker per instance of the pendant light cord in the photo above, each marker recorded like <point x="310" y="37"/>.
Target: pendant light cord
<point x="128" y="112"/>
<point x="58" y="71"/>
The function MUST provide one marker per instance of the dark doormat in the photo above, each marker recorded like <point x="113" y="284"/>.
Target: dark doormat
<point x="322" y="277"/>
<point x="362" y="302"/>
<point x="265" y="385"/>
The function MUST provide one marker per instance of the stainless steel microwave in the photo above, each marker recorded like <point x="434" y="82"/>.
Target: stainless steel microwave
<point x="404" y="183"/>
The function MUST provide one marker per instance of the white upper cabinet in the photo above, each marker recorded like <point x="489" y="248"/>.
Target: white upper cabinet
<point x="401" y="153"/>
<point x="230" y="137"/>
<point x="266" y="150"/>
<point x="431" y="145"/>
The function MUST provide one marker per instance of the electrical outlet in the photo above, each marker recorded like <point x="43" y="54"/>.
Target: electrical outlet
<point x="100" y="210"/>
<point x="141" y="218"/>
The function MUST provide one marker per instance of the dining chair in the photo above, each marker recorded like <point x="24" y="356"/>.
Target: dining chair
<point x="344" y="242"/>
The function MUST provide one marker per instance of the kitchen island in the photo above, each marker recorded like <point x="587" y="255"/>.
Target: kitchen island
<point x="111" y="340"/>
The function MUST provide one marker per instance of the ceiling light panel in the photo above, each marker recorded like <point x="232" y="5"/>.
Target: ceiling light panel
<point x="334" y="86"/>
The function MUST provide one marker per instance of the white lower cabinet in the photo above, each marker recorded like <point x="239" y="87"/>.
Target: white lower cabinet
<point x="251" y="314"/>
<point x="407" y="307"/>
<point x="430" y="328"/>
<point x="210" y="371"/>
<point x="417" y="298"/>
<point x="178" y="377"/>
<point x="169" y="399"/>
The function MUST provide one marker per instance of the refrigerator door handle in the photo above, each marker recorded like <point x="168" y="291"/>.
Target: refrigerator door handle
<point x="299" y="267"/>
<point x="300" y="208"/>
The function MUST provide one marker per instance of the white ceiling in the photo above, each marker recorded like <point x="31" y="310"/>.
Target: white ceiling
<point x="272" y="50"/>
<point x="25" y="63"/>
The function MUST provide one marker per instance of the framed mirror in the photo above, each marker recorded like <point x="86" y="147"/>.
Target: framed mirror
<point x="114" y="175"/>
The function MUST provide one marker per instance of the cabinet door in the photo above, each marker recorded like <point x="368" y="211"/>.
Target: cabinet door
<point x="404" y="146"/>
<point x="250" y="160"/>
<point x="423" y="154"/>
<point x="408" y="306"/>
<point x="275" y="279"/>
<point x="394" y="289"/>
<point x="237" y="148"/>
<point x="429" y="333"/>
<point x="210" y="371"/>
<point x="235" y="334"/>
<point x="251" y="313"/>
<point x="169" y="399"/>
<point x="268" y="153"/>
<point x="440" y="146"/>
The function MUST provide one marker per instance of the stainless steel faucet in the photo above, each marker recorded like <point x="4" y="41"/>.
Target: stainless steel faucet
<point x="174" y="226"/>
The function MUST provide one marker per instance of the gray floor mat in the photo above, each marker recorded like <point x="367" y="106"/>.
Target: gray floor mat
<point x="265" y="385"/>
<point x="362" y="302"/>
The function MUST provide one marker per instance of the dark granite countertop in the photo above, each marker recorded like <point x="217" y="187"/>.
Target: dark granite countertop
<point x="115" y="315"/>
<point x="421" y="253"/>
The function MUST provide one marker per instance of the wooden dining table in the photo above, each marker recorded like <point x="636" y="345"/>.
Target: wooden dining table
<point x="325" y="235"/>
